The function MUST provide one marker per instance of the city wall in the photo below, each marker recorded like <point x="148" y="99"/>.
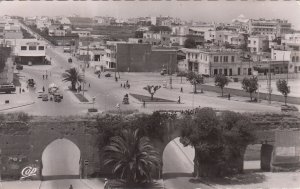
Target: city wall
<point x="22" y="143"/>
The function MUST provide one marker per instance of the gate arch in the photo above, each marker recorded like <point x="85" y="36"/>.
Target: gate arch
<point x="61" y="158"/>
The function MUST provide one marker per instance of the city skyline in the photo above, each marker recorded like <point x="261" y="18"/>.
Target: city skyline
<point x="226" y="11"/>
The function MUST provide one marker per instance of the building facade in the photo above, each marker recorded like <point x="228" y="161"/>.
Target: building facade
<point x="28" y="51"/>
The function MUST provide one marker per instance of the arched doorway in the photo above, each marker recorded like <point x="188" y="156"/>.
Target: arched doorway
<point x="178" y="164"/>
<point x="61" y="159"/>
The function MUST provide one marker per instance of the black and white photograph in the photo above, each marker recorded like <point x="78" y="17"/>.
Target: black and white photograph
<point x="150" y="94"/>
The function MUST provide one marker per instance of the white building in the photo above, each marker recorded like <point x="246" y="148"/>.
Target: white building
<point x="258" y="43"/>
<point x="29" y="50"/>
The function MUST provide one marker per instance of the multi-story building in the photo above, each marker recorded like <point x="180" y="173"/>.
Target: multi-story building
<point x="124" y="56"/>
<point x="43" y="23"/>
<point x="12" y="32"/>
<point x="104" y="21"/>
<point x="216" y="61"/>
<point x="161" y="38"/>
<point x="29" y="51"/>
<point x="258" y="43"/>
<point x="56" y="30"/>
<point x="264" y="27"/>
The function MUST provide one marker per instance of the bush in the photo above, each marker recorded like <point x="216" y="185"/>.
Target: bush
<point x="17" y="116"/>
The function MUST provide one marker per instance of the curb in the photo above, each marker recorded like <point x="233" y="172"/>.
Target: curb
<point x="18" y="106"/>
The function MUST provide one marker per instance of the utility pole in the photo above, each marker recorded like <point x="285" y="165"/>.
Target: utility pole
<point x="269" y="82"/>
<point x="170" y="71"/>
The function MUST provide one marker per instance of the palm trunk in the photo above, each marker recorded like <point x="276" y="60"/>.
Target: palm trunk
<point x="251" y="96"/>
<point x="195" y="88"/>
<point x="73" y="86"/>
<point x="222" y="91"/>
<point x="152" y="96"/>
<point x="285" y="97"/>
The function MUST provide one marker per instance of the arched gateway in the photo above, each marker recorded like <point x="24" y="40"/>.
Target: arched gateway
<point x="61" y="159"/>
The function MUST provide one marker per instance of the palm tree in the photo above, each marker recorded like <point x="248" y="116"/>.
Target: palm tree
<point x="152" y="89"/>
<point x="132" y="156"/>
<point x="72" y="75"/>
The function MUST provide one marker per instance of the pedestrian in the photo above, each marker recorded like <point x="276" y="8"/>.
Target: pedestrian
<point x="116" y="79"/>
<point x="47" y="76"/>
<point x="89" y="85"/>
<point x="228" y="96"/>
<point x="181" y="89"/>
<point x="144" y="103"/>
<point x="20" y="90"/>
<point x="128" y="86"/>
<point x="106" y="184"/>
<point x="127" y="82"/>
<point x="43" y="76"/>
<point x="118" y="106"/>
<point x="43" y="89"/>
<point x="121" y="85"/>
<point x="99" y="75"/>
<point x="179" y="100"/>
<point x="124" y="86"/>
<point x="71" y="187"/>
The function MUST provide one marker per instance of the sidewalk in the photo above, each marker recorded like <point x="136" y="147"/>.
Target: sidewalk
<point x="20" y="184"/>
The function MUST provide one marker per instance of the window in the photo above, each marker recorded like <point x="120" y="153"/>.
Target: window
<point x="225" y="58"/>
<point x="216" y="59"/>
<point x="32" y="48"/>
<point x="221" y="58"/>
<point x="23" y="48"/>
<point x="41" y="48"/>
<point x="297" y="59"/>
<point x="232" y="58"/>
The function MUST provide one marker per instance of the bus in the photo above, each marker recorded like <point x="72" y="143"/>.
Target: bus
<point x="7" y="88"/>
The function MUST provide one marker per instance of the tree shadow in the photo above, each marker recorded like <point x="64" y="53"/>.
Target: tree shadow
<point x="239" y="179"/>
<point x="167" y="176"/>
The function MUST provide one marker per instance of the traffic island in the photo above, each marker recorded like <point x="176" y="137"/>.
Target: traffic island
<point x="147" y="99"/>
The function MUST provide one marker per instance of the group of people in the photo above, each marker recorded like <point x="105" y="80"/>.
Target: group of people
<point x="126" y="85"/>
<point x="46" y="76"/>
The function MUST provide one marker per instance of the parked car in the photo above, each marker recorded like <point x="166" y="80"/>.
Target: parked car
<point x="107" y="75"/>
<point x="7" y="88"/>
<point x="57" y="98"/>
<point x="45" y="97"/>
<point x="163" y="72"/>
<point x="70" y="60"/>
<point x="19" y="67"/>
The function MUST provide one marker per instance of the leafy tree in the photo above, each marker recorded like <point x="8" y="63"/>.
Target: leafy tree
<point x="283" y="88"/>
<point x="138" y="34"/>
<point x="221" y="81"/>
<point x="157" y="29"/>
<point x="190" y="43"/>
<point x="152" y="89"/>
<point x="132" y="156"/>
<point x="219" y="140"/>
<point x="72" y="75"/>
<point x="194" y="79"/>
<point x="250" y="85"/>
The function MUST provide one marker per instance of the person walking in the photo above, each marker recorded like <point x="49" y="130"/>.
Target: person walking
<point x="43" y="77"/>
<point x="43" y="89"/>
<point x="181" y="89"/>
<point x="71" y="187"/>
<point x="179" y="100"/>
<point x="106" y="184"/>
<point x="20" y="90"/>
<point x="228" y="96"/>
<point x="89" y="85"/>
<point x="144" y="104"/>
<point x="121" y="85"/>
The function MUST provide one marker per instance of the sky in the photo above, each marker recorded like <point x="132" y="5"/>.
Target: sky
<point x="218" y="11"/>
